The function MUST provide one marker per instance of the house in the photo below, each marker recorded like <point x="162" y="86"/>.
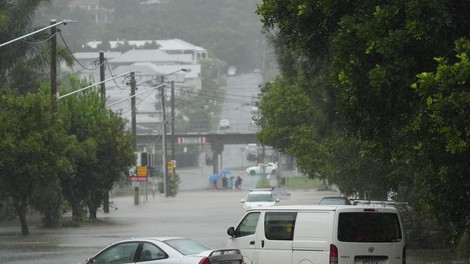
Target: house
<point x="151" y="67"/>
<point x="170" y="46"/>
<point x="97" y="13"/>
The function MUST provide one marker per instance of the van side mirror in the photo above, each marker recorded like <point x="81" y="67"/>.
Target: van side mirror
<point x="277" y="200"/>
<point x="231" y="231"/>
<point x="242" y="200"/>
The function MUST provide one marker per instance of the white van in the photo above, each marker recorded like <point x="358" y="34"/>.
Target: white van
<point x="320" y="234"/>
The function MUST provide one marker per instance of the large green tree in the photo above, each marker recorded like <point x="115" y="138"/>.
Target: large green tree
<point x="32" y="155"/>
<point x="361" y="57"/>
<point x="103" y="151"/>
<point x="441" y="131"/>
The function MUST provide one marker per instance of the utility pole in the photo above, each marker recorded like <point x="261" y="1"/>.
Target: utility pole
<point x="102" y="76"/>
<point x="173" y="148"/>
<point x="134" y="131"/>
<point x="53" y="46"/>
<point x="165" y="173"/>
<point x="133" y="110"/>
<point x="103" y="101"/>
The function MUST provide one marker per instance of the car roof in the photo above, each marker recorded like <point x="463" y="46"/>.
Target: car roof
<point x="156" y="238"/>
<point x="165" y="238"/>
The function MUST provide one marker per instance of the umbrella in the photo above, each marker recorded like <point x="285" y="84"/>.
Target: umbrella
<point x="224" y="171"/>
<point x="214" y="177"/>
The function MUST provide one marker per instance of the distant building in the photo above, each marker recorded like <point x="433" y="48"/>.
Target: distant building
<point x="151" y="67"/>
<point x="155" y="56"/>
<point x="92" y="8"/>
<point x="170" y="46"/>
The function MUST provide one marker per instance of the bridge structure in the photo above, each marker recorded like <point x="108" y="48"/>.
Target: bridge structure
<point x="215" y="140"/>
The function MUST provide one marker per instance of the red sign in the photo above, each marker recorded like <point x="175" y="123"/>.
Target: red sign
<point x="137" y="179"/>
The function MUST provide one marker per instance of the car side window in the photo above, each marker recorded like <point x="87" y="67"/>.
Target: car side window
<point x="279" y="225"/>
<point x="151" y="252"/>
<point x="118" y="254"/>
<point x="248" y="225"/>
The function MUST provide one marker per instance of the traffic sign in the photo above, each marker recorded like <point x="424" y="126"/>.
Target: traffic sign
<point x="142" y="171"/>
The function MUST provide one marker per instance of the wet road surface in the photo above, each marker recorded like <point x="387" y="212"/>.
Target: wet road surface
<point x="201" y="215"/>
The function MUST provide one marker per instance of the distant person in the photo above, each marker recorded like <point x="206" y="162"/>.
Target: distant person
<point x="214" y="182"/>
<point x="224" y="182"/>
<point x="238" y="183"/>
<point x="230" y="183"/>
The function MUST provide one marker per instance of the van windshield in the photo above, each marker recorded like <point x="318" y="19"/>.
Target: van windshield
<point x="369" y="227"/>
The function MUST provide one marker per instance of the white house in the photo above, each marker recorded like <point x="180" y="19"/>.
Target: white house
<point x="150" y="68"/>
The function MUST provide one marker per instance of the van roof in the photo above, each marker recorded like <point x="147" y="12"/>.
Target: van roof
<point x="261" y="190"/>
<point x="342" y="208"/>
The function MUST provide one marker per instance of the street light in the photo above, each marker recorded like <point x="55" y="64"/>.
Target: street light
<point x="165" y="173"/>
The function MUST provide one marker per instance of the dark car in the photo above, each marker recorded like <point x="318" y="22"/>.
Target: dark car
<point x="281" y="193"/>
<point x="335" y="201"/>
<point x="209" y="157"/>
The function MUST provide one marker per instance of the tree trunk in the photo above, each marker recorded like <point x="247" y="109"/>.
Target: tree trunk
<point x="76" y="212"/>
<point x="92" y="212"/>
<point x="52" y="218"/>
<point x="106" y="203"/>
<point x="21" y="209"/>
<point x="24" y="224"/>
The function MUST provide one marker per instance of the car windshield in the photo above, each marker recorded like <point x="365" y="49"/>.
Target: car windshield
<point x="260" y="197"/>
<point x="187" y="246"/>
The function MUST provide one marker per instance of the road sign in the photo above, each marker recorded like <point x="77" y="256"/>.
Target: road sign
<point x="142" y="171"/>
<point x="136" y="179"/>
<point x="171" y="164"/>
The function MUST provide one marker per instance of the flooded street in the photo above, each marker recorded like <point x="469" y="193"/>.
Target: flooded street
<point x="201" y="215"/>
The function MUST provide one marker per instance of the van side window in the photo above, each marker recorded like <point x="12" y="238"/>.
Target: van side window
<point x="248" y="225"/>
<point x="279" y="225"/>
<point x="369" y="227"/>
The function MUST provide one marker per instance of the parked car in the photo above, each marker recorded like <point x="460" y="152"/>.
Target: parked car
<point x="269" y="168"/>
<point x="209" y="156"/>
<point x="224" y="124"/>
<point x="258" y="198"/>
<point x="232" y="71"/>
<point x="164" y="250"/>
<point x="251" y="151"/>
<point x="335" y="201"/>
<point x="281" y="193"/>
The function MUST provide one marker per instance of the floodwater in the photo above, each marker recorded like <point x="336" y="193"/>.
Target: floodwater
<point x="202" y="215"/>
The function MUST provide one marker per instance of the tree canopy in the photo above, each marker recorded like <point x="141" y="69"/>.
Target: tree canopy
<point x="32" y="154"/>
<point x="367" y="130"/>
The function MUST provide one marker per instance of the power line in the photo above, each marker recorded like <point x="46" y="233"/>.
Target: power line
<point x="114" y="80"/>
<point x="37" y="31"/>
<point x="74" y="58"/>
